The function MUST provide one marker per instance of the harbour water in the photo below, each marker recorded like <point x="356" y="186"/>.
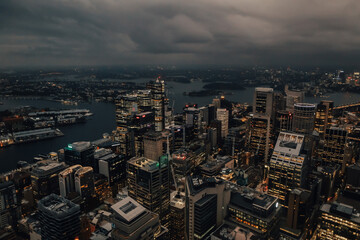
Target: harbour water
<point x="103" y="120"/>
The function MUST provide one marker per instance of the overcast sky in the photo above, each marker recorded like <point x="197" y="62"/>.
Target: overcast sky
<point x="239" y="32"/>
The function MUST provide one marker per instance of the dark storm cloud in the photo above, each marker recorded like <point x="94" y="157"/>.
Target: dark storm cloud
<point x="66" y="32"/>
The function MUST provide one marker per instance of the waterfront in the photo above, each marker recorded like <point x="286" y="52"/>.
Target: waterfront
<point x="103" y="120"/>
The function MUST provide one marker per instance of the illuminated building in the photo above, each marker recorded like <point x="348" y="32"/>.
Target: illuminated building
<point x="184" y="161"/>
<point x="158" y="102"/>
<point x="222" y="114"/>
<point x="334" y="149"/>
<point x="112" y="166"/>
<point x="255" y="213"/>
<point x="177" y="216"/>
<point x="287" y="165"/>
<point x="101" y="187"/>
<point x="338" y="221"/>
<point x="9" y="208"/>
<point x="67" y="180"/>
<point x="206" y="201"/>
<point x="293" y="97"/>
<point x="261" y="123"/>
<point x="131" y="221"/>
<point x="283" y="121"/>
<point x="59" y="218"/>
<point x="298" y="212"/>
<point x="153" y="145"/>
<point x="304" y="117"/>
<point x="124" y="138"/>
<point x="45" y="179"/>
<point x="148" y="184"/>
<point x="323" y="116"/>
<point x="84" y="182"/>
<point x="192" y="119"/>
<point x="80" y="153"/>
<point x="213" y="167"/>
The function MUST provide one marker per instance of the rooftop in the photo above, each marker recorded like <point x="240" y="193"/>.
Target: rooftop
<point x="290" y="143"/>
<point x="58" y="206"/>
<point x="128" y="209"/>
<point x="47" y="167"/>
<point x="144" y="163"/>
<point x="263" y="89"/>
<point x="79" y="146"/>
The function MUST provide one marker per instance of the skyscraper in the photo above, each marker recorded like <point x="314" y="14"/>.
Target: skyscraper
<point x="222" y="114"/>
<point x="323" y="116"/>
<point x="261" y="124"/>
<point x="153" y="145"/>
<point x="158" y="101"/>
<point x="80" y="153"/>
<point x="45" y="179"/>
<point x="67" y="180"/>
<point x="287" y="165"/>
<point x="59" y="218"/>
<point x="338" y="221"/>
<point x="84" y="182"/>
<point x="177" y="216"/>
<point x="9" y="208"/>
<point x="148" y="184"/>
<point x="304" y="117"/>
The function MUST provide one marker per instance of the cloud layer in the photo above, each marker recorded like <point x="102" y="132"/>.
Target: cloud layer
<point x="239" y="32"/>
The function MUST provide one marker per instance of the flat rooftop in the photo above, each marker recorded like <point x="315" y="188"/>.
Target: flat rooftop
<point x="144" y="163"/>
<point x="290" y="143"/>
<point x="57" y="205"/>
<point x="128" y="209"/>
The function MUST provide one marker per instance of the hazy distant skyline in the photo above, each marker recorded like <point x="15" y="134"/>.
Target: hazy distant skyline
<point x="239" y="32"/>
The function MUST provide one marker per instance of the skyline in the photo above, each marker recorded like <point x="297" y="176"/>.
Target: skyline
<point x="63" y="33"/>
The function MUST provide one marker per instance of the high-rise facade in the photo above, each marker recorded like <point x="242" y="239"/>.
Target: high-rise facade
<point x="261" y="140"/>
<point x="323" y="116"/>
<point x="80" y="153"/>
<point x="153" y="145"/>
<point x="84" y="182"/>
<point x="177" y="216"/>
<point x="304" y="118"/>
<point x="45" y="179"/>
<point x="113" y="166"/>
<point x="148" y="184"/>
<point x="159" y="102"/>
<point x="206" y="206"/>
<point x="222" y="114"/>
<point x="67" y="180"/>
<point x="338" y="221"/>
<point x="59" y="218"/>
<point x="9" y="208"/>
<point x="287" y="165"/>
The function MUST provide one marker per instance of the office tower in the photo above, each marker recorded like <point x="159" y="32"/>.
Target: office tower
<point x="323" y="116"/>
<point x="192" y="119"/>
<point x="206" y="204"/>
<point x="112" y="166"/>
<point x="153" y="145"/>
<point x="126" y="107"/>
<point x="263" y="101"/>
<point x="158" y="101"/>
<point x="9" y="208"/>
<point x="222" y="115"/>
<point x="45" y="179"/>
<point x="338" y="221"/>
<point x="261" y="124"/>
<point x="293" y="97"/>
<point x="131" y="221"/>
<point x="255" y="213"/>
<point x="80" y="153"/>
<point x="177" y="216"/>
<point x="148" y="184"/>
<point x="102" y="188"/>
<point x="298" y="216"/>
<point x="214" y="166"/>
<point x="303" y="118"/>
<point x="183" y="162"/>
<point x="334" y="149"/>
<point x="67" y="180"/>
<point x="84" y="182"/>
<point x="59" y="218"/>
<point x="124" y="137"/>
<point x="283" y="121"/>
<point x="217" y="103"/>
<point x="287" y="165"/>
